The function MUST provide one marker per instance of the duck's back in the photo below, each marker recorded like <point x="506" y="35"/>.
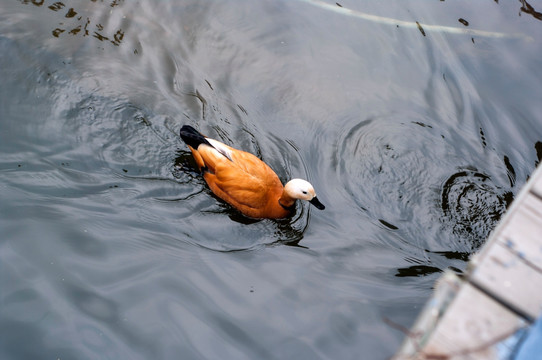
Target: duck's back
<point x="243" y="180"/>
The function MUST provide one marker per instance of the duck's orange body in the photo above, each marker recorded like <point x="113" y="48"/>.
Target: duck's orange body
<point x="240" y="178"/>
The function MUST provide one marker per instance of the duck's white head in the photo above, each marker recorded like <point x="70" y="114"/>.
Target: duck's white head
<point x="302" y="190"/>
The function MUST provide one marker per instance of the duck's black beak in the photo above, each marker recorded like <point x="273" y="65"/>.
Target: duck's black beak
<point x="317" y="203"/>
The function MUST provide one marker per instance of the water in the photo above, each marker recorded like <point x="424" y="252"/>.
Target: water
<point x="112" y="246"/>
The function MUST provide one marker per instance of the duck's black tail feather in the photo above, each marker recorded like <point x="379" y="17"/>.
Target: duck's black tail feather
<point x="192" y="137"/>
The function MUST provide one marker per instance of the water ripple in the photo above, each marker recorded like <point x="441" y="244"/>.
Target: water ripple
<point x="405" y="161"/>
<point x="472" y="205"/>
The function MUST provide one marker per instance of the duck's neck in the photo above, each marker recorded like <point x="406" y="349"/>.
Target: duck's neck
<point x="286" y="201"/>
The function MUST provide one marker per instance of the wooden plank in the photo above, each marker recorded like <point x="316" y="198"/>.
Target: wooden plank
<point x="499" y="296"/>
<point x="535" y="182"/>
<point x="510" y="280"/>
<point x="526" y="197"/>
<point x="509" y="266"/>
<point x="459" y="322"/>
<point x="471" y="328"/>
<point x="446" y="288"/>
<point x="523" y="235"/>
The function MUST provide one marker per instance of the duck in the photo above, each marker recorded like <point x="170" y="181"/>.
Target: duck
<point x="244" y="181"/>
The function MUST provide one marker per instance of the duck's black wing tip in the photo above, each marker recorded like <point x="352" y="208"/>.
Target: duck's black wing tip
<point x="192" y="137"/>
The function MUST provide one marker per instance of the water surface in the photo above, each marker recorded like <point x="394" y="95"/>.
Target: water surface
<point x="112" y="246"/>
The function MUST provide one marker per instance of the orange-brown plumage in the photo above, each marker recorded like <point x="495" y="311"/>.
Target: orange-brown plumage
<point x="243" y="180"/>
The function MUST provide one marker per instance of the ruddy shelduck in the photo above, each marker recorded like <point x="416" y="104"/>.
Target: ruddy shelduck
<point x="244" y="181"/>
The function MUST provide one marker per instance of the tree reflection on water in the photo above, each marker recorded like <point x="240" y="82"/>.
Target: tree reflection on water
<point x="528" y="9"/>
<point x="77" y="23"/>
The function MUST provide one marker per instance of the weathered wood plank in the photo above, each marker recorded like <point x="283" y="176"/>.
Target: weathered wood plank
<point x="535" y="183"/>
<point x="509" y="265"/>
<point x="509" y="279"/>
<point x="446" y="288"/>
<point x="523" y="235"/>
<point x="471" y="328"/>
<point x="459" y="323"/>
<point x="500" y="295"/>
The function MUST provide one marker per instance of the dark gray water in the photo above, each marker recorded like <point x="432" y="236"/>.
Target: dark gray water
<point x="112" y="246"/>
